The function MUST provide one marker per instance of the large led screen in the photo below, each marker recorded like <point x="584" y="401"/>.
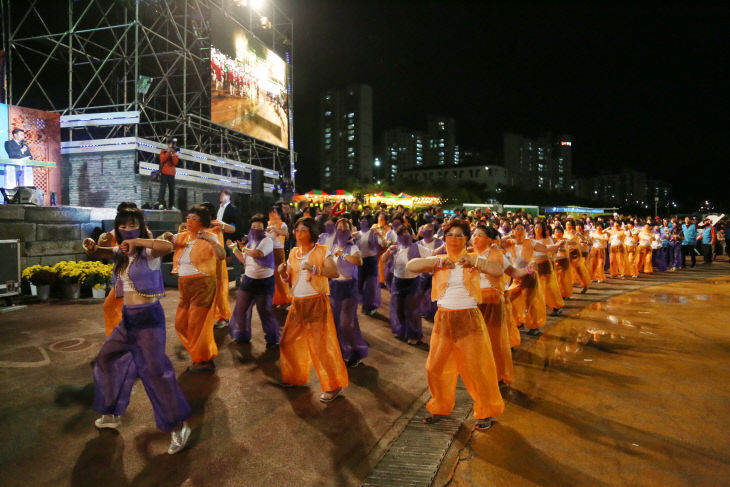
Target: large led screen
<point x="248" y="84"/>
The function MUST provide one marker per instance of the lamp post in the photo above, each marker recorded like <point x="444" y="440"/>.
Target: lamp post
<point x="656" y="202"/>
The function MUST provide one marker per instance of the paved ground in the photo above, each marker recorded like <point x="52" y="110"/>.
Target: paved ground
<point x="249" y="432"/>
<point x="631" y="391"/>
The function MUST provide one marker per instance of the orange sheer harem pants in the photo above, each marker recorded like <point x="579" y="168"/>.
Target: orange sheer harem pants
<point x="580" y="272"/>
<point x="195" y="316"/>
<point x="528" y="304"/>
<point x="644" y="261"/>
<point x="493" y="311"/>
<point x="310" y="338"/>
<point x="564" y="274"/>
<point x="597" y="260"/>
<point x="222" y="303"/>
<point x="460" y="346"/>
<point x="112" y="308"/>
<point x="549" y="285"/>
<point x="617" y="265"/>
<point x="282" y="295"/>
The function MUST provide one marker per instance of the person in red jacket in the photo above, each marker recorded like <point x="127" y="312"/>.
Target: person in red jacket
<point x="168" y="163"/>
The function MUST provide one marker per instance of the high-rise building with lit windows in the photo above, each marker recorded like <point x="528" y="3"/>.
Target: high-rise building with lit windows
<point x="442" y="149"/>
<point x="402" y="149"/>
<point x="545" y="162"/>
<point x="346" y="136"/>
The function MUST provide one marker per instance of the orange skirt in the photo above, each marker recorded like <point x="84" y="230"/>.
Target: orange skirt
<point x="310" y="338"/>
<point x="112" y="311"/>
<point x="460" y="346"/>
<point x="195" y="316"/>
<point x="495" y="317"/>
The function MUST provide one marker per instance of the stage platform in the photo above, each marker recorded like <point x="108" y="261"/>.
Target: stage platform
<point x="50" y="234"/>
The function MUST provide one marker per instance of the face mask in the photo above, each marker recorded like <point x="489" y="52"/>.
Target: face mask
<point x="364" y="226"/>
<point x="256" y="234"/>
<point x="342" y="236"/>
<point x="193" y="226"/>
<point x="274" y="217"/>
<point x="303" y="238"/>
<point x="480" y="243"/>
<point x="455" y="246"/>
<point x="329" y="228"/>
<point x="381" y="221"/>
<point x="427" y="234"/>
<point x="128" y="234"/>
<point x="396" y="225"/>
<point x="404" y="240"/>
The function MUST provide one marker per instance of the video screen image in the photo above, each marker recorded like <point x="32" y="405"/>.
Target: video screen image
<point x="248" y="84"/>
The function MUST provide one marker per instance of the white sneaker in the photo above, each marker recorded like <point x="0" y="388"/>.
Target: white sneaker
<point x="331" y="395"/>
<point x="110" y="421"/>
<point x="179" y="439"/>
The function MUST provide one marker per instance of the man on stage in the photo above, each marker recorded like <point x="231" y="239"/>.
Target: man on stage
<point x="18" y="149"/>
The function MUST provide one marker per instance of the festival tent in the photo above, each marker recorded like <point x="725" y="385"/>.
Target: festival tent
<point x="317" y="192"/>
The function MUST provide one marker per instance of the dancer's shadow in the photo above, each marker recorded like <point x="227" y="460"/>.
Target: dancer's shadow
<point x="343" y="424"/>
<point x="266" y="361"/>
<point x="100" y="463"/>
<point x="387" y="393"/>
<point x="69" y="395"/>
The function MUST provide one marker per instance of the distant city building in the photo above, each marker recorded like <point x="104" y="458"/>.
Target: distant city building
<point x="346" y="136"/>
<point x="442" y="149"/>
<point x="402" y="149"/>
<point x="490" y="176"/>
<point x="625" y="188"/>
<point x="542" y="163"/>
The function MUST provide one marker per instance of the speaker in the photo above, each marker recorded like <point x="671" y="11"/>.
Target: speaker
<point x="257" y="181"/>
<point x="9" y="268"/>
<point x="24" y="195"/>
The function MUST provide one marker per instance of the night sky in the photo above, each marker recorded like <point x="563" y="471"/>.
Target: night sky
<point x="642" y="87"/>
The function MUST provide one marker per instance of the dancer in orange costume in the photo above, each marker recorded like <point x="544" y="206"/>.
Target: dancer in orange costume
<point x="222" y="303"/>
<point x="277" y="231"/>
<point x="644" y="252"/>
<point x="632" y="255"/>
<point x="196" y="254"/>
<point x="546" y="271"/>
<point x="112" y="307"/>
<point x="597" y="258"/>
<point x="493" y="304"/>
<point x="617" y="265"/>
<point x="563" y="269"/>
<point x="528" y="304"/>
<point x="575" y="241"/>
<point x="460" y="344"/>
<point x="310" y="336"/>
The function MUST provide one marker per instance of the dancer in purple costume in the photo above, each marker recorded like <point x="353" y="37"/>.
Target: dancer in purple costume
<point x="136" y="347"/>
<point x="344" y="296"/>
<point x="368" y="284"/>
<point x="428" y="307"/>
<point x="256" y="287"/>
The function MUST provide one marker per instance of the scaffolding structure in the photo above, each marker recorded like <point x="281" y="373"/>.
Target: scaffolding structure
<point x="151" y="56"/>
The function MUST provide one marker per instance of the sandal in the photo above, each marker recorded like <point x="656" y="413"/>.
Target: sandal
<point x="433" y="418"/>
<point x="331" y="395"/>
<point x="483" y="424"/>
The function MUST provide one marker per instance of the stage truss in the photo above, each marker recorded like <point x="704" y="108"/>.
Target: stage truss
<point x="92" y="56"/>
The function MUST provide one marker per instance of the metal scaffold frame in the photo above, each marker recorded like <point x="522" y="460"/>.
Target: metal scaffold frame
<point x="91" y="56"/>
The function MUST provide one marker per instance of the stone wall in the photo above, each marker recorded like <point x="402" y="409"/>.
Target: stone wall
<point x="104" y="179"/>
<point x="50" y="234"/>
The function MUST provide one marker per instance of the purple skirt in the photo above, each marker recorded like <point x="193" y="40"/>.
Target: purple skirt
<point x="136" y="348"/>
<point x="343" y="300"/>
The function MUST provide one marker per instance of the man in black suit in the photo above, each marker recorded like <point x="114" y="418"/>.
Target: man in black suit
<point x="228" y="214"/>
<point x="18" y="149"/>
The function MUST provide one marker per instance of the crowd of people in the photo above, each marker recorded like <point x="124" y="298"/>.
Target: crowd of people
<point x="483" y="279"/>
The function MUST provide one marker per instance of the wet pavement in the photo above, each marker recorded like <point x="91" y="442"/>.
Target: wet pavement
<point x="631" y="391"/>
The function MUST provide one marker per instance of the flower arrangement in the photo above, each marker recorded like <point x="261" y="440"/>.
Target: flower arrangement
<point x="96" y="274"/>
<point x="39" y="275"/>
<point x="69" y="272"/>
